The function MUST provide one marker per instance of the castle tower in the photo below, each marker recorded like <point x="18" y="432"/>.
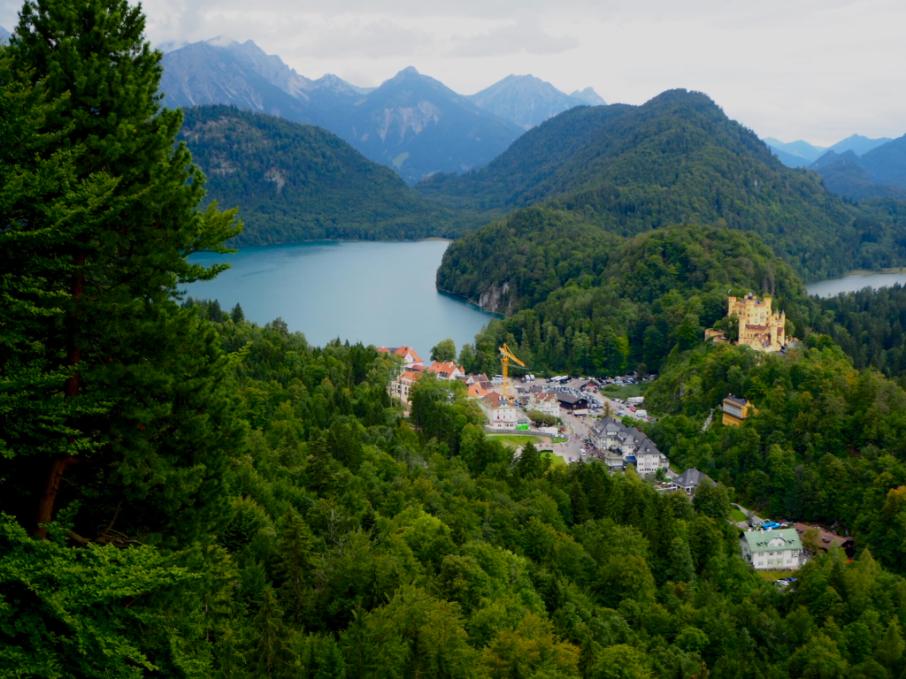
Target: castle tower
<point x="759" y="327"/>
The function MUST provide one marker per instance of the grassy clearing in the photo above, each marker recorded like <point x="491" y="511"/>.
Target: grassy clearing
<point x="556" y="460"/>
<point x="736" y="515"/>
<point x="517" y="440"/>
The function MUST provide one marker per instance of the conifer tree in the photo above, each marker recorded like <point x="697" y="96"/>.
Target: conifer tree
<point x="127" y="380"/>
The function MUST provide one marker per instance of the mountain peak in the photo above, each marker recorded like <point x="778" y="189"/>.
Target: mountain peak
<point x="4" y="36"/>
<point x="223" y="41"/>
<point x="588" y="96"/>
<point x="408" y="71"/>
<point x="859" y="144"/>
<point x="527" y="100"/>
<point x="335" y="83"/>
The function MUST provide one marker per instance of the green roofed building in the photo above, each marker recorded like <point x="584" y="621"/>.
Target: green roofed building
<point x="778" y="549"/>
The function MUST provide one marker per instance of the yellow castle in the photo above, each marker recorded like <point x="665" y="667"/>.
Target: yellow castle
<point x="759" y="327"/>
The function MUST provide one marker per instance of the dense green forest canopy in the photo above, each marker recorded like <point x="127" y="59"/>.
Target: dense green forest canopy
<point x="295" y="182"/>
<point x="826" y="444"/>
<point x="185" y="494"/>
<point x="517" y="261"/>
<point x="676" y="159"/>
<point x="652" y="293"/>
<point x="870" y="326"/>
<point x="353" y="543"/>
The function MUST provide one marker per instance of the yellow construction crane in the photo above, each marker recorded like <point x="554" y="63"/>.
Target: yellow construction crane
<point x="505" y="357"/>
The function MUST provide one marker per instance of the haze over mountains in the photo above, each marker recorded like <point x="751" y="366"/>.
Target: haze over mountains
<point x="411" y="122"/>
<point x="4" y="36"/>
<point x="856" y="168"/>
<point x="801" y="153"/>
<point x="879" y="173"/>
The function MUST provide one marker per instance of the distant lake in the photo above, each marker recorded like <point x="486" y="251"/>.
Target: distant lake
<point x="372" y="292"/>
<point x="856" y="281"/>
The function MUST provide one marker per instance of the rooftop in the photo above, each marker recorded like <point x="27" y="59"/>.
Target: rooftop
<point x="692" y="477"/>
<point x="781" y="539"/>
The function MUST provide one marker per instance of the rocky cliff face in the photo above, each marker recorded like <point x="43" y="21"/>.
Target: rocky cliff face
<point x="496" y="299"/>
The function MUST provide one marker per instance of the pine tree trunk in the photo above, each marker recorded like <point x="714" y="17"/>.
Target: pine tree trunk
<point x="49" y="497"/>
<point x="73" y="385"/>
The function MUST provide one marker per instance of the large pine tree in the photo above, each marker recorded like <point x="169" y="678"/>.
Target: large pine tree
<point x="111" y="398"/>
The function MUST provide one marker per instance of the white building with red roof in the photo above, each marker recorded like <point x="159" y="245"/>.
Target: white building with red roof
<point x="407" y="354"/>
<point x="446" y="370"/>
<point x="544" y="402"/>
<point x="500" y="414"/>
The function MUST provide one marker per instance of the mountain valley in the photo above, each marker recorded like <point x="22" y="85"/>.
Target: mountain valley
<point x="411" y="122"/>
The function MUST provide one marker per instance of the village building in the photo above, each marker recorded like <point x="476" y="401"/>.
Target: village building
<point x="619" y="445"/>
<point x="759" y="327"/>
<point x="446" y="370"/>
<point x="648" y="459"/>
<point x="577" y="404"/>
<point x="478" y="390"/>
<point x="401" y="386"/>
<point x="777" y="549"/>
<point x="500" y="414"/>
<point x="820" y="539"/>
<point x="735" y="410"/>
<point x="715" y="336"/>
<point x="690" y="481"/>
<point x="544" y="402"/>
<point x="408" y="355"/>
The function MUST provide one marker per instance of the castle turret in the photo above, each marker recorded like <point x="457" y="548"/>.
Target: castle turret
<point x="759" y="327"/>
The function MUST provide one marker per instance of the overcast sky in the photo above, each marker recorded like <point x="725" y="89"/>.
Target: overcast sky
<point x="813" y="69"/>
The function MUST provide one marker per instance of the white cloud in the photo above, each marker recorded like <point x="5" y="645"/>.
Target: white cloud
<point x="817" y="69"/>
<point x="511" y="38"/>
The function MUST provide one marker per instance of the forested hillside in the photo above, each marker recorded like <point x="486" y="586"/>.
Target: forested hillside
<point x="295" y="182"/>
<point x="185" y="494"/>
<point x="676" y="159"/>
<point x="525" y="256"/>
<point x="826" y="444"/>
<point x="870" y="326"/>
<point x="652" y="294"/>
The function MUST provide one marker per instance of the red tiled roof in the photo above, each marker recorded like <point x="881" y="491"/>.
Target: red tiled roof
<point x="493" y="399"/>
<point x="448" y="367"/>
<point x="476" y="390"/>
<point x="402" y="351"/>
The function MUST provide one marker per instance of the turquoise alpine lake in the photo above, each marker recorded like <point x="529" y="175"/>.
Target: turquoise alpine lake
<point x="857" y="280"/>
<point x="380" y="293"/>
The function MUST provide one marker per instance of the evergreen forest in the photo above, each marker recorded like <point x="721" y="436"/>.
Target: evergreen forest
<point x="296" y="182"/>
<point x="186" y="494"/>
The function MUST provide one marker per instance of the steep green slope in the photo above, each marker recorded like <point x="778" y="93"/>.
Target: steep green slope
<point x="519" y="260"/>
<point x="675" y="159"/>
<point x="657" y="292"/>
<point x="826" y="444"/>
<point x="296" y="182"/>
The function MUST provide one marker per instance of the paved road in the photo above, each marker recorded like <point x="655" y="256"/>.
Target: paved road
<point x="577" y="429"/>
